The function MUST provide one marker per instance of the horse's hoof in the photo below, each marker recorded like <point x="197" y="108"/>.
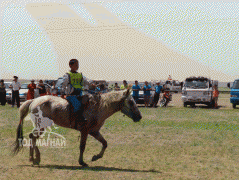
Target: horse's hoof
<point x="96" y="157"/>
<point x="83" y="164"/>
<point x="36" y="162"/>
<point x="31" y="159"/>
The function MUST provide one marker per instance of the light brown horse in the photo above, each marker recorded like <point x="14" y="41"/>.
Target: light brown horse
<point x="97" y="109"/>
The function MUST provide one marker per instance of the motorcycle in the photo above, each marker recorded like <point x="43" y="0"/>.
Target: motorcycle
<point x="164" y="102"/>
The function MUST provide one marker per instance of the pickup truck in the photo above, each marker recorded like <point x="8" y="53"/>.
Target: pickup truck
<point x="198" y="90"/>
<point x="234" y="99"/>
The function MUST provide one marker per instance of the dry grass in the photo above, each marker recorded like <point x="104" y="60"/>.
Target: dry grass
<point x="168" y="143"/>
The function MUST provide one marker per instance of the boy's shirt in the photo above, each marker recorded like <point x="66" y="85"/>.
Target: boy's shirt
<point x="136" y="93"/>
<point x="158" y="89"/>
<point x="147" y="92"/>
<point x="68" y="89"/>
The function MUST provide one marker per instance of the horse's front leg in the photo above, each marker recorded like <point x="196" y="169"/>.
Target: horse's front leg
<point x="100" y="138"/>
<point x="84" y="135"/>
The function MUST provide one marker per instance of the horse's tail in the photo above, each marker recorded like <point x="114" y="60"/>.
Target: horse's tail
<point x="24" y="109"/>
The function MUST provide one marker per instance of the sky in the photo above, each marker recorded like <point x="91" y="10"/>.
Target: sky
<point x="206" y="31"/>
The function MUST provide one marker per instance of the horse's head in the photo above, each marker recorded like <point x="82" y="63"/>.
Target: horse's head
<point x="130" y="108"/>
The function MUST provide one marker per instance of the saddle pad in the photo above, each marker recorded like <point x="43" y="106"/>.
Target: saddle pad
<point x="75" y="103"/>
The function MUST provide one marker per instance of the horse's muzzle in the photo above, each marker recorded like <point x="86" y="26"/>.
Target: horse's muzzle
<point x="137" y="118"/>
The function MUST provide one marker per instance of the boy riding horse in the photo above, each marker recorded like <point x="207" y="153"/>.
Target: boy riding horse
<point x="72" y="87"/>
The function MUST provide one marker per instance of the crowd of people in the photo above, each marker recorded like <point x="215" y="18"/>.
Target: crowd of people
<point x="93" y="88"/>
<point x="15" y="86"/>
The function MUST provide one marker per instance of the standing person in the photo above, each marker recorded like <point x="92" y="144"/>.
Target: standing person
<point x="15" y="86"/>
<point x="136" y="89"/>
<point x="72" y="87"/>
<point x="124" y="85"/>
<point x="166" y="95"/>
<point x="147" y="88"/>
<point x="31" y="87"/>
<point x="170" y="78"/>
<point x="2" y="93"/>
<point x="116" y="87"/>
<point x="158" y="89"/>
<point x="168" y="85"/>
<point x="215" y="96"/>
<point x="181" y="85"/>
<point x="42" y="88"/>
<point x="54" y="89"/>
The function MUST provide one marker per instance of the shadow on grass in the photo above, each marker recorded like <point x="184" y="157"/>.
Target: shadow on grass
<point x="93" y="168"/>
<point x="205" y="107"/>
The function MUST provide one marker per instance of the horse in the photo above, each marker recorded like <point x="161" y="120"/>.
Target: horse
<point x="97" y="108"/>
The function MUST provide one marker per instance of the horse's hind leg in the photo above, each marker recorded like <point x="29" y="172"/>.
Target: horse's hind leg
<point x="31" y="148"/>
<point x="100" y="138"/>
<point x="37" y="160"/>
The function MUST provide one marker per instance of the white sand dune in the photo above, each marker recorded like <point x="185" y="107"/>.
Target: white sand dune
<point x="111" y="49"/>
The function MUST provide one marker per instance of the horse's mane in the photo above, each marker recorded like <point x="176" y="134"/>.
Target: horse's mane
<point x="113" y="96"/>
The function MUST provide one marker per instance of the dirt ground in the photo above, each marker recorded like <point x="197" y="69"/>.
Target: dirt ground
<point x="223" y="101"/>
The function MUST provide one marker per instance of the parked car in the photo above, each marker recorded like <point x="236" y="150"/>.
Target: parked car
<point x="176" y="86"/>
<point x="173" y="85"/>
<point x="22" y="93"/>
<point x="234" y="99"/>
<point x="7" y="84"/>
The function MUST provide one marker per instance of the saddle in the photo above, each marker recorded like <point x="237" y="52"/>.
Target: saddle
<point x="77" y="115"/>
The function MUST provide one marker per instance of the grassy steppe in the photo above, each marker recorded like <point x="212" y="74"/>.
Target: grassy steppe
<point x="168" y="143"/>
